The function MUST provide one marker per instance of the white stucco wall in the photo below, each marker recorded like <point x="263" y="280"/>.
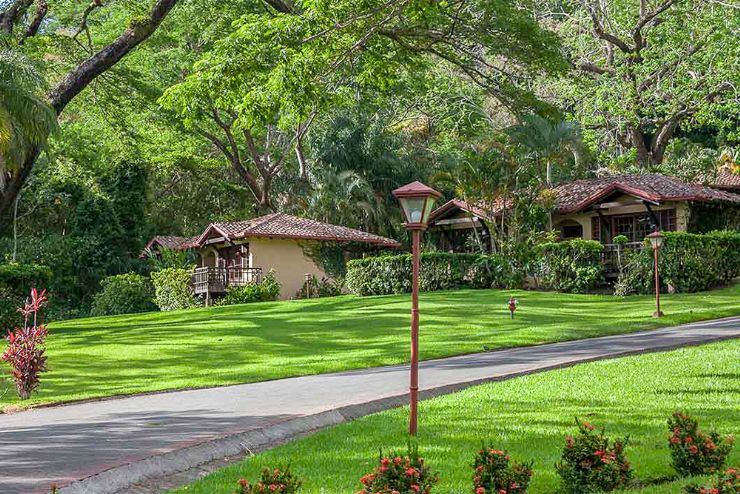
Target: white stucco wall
<point x="287" y="259"/>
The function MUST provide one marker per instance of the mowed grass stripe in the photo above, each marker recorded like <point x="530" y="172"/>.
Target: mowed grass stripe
<point x="530" y="416"/>
<point x="107" y="356"/>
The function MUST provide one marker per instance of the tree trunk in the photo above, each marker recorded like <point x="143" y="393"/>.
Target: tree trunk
<point x="638" y="142"/>
<point x="76" y="81"/>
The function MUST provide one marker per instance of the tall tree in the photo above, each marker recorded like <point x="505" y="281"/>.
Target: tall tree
<point x="645" y="69"/>
<point x="282" y="67"/>
<point x="131" y="34"/>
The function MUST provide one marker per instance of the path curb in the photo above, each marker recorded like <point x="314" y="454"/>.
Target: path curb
<point x="123" y="479"/>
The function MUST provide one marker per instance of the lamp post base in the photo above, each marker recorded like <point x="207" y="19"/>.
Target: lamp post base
<point x="658" y="313"/>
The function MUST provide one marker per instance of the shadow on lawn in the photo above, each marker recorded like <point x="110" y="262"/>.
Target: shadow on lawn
<point x="34" y="457"/>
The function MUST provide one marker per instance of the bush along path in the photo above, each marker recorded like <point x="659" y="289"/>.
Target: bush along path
<point x="133" y="438"/>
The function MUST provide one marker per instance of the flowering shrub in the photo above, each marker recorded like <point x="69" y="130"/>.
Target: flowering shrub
<point x="726" y="483"/>
<point x="592" y="463"/>
<point x="495" y="473"/>
<point x="272" y="481"/>
<point x="400" y="475"/>
<point x="25" y="351"/>
<point x="694" y="452"/>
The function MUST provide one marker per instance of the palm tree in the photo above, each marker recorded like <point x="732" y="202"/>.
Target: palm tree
<point x="26" y="120"/>
<point x="546" y="141"/>
<point x="343" y="198"/>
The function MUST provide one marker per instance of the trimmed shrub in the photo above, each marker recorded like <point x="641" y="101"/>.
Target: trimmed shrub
<point x="124" y="294"/>
<point x="496" y="473"/>
<point x="266" y="291"/>
<point x="385" y="275"/>
<point x="400" y="474"/>
<point x="592" y="463"/>
<point x="271" y="481"/>
<point x="173" y="290"/>
<point x="688" y="262"/>
<point x="694" y="452"/>
<point x="725" y="483"/>
<point x="16" y="281"/>
<point x="569" y="266"/>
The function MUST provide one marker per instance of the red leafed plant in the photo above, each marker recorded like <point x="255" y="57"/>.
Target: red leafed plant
<point x="25" y="351"/>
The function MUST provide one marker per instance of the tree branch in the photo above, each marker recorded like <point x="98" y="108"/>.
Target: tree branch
<point x="600" y="32"/>
<point x="41" y="9"/>
<point x="78" y="79"/>
<point x="10" y="16"/>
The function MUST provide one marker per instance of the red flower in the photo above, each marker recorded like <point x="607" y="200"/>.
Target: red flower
<point x="480" y="490"/>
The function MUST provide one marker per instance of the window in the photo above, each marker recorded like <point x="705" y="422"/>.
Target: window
<point x="634" y="226"/>
<point x="570" y="229"/>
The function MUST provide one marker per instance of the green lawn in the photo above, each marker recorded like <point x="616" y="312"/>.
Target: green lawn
<point x="206" y="347"/>
<point x="530" y="416"/>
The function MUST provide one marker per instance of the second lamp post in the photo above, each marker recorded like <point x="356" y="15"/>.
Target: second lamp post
<point x="656" y="242"/>
<point x="417" y="201"/>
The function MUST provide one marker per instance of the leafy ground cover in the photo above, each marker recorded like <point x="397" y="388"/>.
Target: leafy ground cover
<point x="529" y="416"/>
<point x="115" y="355"/>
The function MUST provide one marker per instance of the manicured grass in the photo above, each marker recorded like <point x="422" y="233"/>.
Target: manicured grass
<point x="529" y="416"/>
<point x="206" y="347"/>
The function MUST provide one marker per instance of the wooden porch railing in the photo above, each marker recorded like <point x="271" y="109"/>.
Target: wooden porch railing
<point x="611" y="253"/>
<point x="217" y="279"/>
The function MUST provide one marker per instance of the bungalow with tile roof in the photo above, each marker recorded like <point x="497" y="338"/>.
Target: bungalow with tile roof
<point x="604" y="207"/>
<point x="239" y="252"/>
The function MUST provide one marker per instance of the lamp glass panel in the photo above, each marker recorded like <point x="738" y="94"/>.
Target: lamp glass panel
<point x="414" y="209"/>
<point x="428" y="209"/>
<point x="656" y="241"/>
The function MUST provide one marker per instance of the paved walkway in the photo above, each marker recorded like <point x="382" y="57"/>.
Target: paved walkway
<point x="68" y="443"/>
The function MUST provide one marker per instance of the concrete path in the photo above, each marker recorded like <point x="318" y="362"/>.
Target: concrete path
<point x="115" y="443"/>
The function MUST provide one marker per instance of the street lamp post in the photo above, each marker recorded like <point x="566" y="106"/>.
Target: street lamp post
<point x="416" y="201"/>
<point x="656" y="241"/>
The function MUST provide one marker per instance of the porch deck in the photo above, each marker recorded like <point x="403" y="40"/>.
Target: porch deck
<point x="218" y="279"/>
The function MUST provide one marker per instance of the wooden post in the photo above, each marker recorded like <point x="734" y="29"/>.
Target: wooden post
<point x="414" y="384"/>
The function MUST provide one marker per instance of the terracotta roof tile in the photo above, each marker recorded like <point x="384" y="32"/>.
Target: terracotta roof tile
<point x="726" y="179"/>
<point x="579" y="194"/>
<point x="169" y="242"/>
<point x="281" y="225"/>
<point x="476" y="209"/>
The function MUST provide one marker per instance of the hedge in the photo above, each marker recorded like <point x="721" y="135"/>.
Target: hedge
<point x="386" y="275"/>
<point x="688" y="263"/>
<point x="16" y="281"/>
<point x="173" y="289"/>
<point x="570" y="266"/>
<point x="124" y="294"/>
